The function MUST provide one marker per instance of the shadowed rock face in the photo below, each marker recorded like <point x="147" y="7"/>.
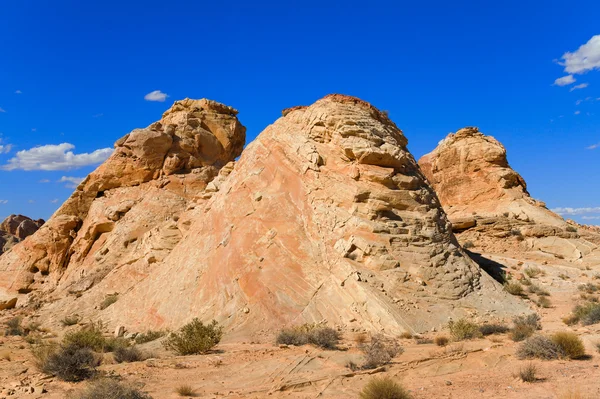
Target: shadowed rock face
<point x="326" y="216"/>
<point x="15" y="228"/>
<point x="488" y="200"/>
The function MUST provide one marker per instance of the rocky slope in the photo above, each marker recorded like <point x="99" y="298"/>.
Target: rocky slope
<point x="488" y="203"/>
<point x="15" y="228"/>
<point x="325" y="217"/>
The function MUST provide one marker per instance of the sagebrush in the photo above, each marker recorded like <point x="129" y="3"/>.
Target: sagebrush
<point x="194" y="338"/>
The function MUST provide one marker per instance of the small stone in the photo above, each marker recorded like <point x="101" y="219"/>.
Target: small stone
<point x="119" y="331"/>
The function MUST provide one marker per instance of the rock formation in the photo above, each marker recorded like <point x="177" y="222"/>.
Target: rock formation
<point x="488" y="201"/>
<point x="15" y="229"/>
<point x="326" y="216"/>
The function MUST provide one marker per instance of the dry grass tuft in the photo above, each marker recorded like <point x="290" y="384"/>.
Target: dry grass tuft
<point x="384" y="388"/>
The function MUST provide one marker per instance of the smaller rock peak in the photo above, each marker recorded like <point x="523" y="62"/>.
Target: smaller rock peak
<point x="188" y="105"/>
<point x="468" y="131"/>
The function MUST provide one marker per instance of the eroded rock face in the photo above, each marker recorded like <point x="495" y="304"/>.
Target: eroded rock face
<point x="15" y="228"/>
<point x="149" y="179"/>
<point x="488" y="203"/>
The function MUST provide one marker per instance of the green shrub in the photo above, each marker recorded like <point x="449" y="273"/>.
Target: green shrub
<point x="384" y="388"/>
<point x="463" y="329"/>
<point x="113" y="343"/>
<point x="313" y="334"/>
<point x="71" y="363"/>
<point x="111" y="389"/>
<point x="570" y="344"/>
<point x="90" y="338"/>
<point x="539" y="347"/>
<point x="41" y="353"/>
<point x="13" y="327"/>
<point x="149" y="336"/>
<point x="588" y="288"/>
<point x="528" y="373"/>
<point x="571" y="229"/>
<point x="513" y="288"/>
<point x="194" y="338"/>
<point x="380" y="351"/>
<point x="109" y="300"/>
<point x="587" y="314"/>
<point x="70" y="320"/>
<point x="128" y="355"/>
<point x="489" y="329"/>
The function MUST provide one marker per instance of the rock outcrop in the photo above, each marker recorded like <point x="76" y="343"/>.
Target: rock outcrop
<point x="488" y="203"/>
<point x="15" y="228"/>
<point x="326" y="216"/>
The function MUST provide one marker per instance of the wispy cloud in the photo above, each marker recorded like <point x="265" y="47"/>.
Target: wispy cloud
<point x="590" y="217"/>
<point x="5" y="148"/>
<point x="18" y="92"/>
<point x="72" y="182"/>
<point x="564" y="81"/>
<point x="3" y="201"/>
<point x="156" y="95"/>
<point x="31" y="201"/>
<point x="579" y="86"/>
<point x="578" y="102"/>
<point x="55" y="157"/>
<point x="2" y="110"/>
<point x="593" y="146"/>
<point x="576" y="211"/>
<point x="97" y="115"/>
<point x="44" y="181"/>
<point x="577" y="112"/>
<point x="54" y="201"/>
<point x="586" y="58"/>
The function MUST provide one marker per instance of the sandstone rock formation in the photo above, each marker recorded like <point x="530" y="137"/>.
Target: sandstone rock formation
<point x="16" y="228"/>
<point x="326" y="216"/>
<point x="488" y="201"/>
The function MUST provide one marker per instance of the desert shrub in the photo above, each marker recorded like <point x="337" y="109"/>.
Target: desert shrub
<point x="528" y="373"/>
<point x="324" y="337"/>
<point x="598" y="347"/>
<point x="544" y="302"/>
<point x="533" y="271"/>
<point x="90" y="338"/>
<point x="109" y="300"/>
<point x="513" y="288"/>
<point x="571" y="229"/>
<point x="149" y="336"/>
<point x="539" y="347"/>
<point x="570" y="344"/>
<point x="380" y="351"/>
<point x="536" y="289"/>
<point x="71" y="363"/>
<point x="111" y="389"/>
<point x="33" y="338"/>
<point x="360" y="338"/>
<point x="41" y="353"/>
<point x="468" y="244"/>
<point x="441" y="340"/>
<point x="489" y="329"/>
<point x="185" y="390"/>
<point x="113" y="343"/>
<point x="588" y="288"/>
<point x="13" y="327"/>
<point x="70" y="320"/>
<point x="128" y="355"/>
<point x="406" y="335"/>
<point x="384" y="388"/>
<point x="423" y="341"/>
<point x="463" y="329"/>
<point x="524" y="327"/>
<point x="587" y="314"/>
<point x="194" y="338"/>
<point x="564" y="276"/>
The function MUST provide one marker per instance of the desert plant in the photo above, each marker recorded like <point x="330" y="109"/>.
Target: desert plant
<point x="588" y="288"/>
<point x="41" y="353"/>
<point x="194" y="338"/>
<point x="360" y="338"/>
<point x="113" y="343"/>
<point x="149" y="336"/>
<point x="70" y="363"/>
<point x="91" y="338"/>
<point x="185" y="390"/>
<point x="384" y="388"/>
<point x="536" y="289"/>
<point x="406" y="335"/>
<point x="528" y="373"/>
<point x="564" y="276"/>
<point x="539" y="347"/>
<point x="380" y="351"/>
<point x="128" y="355"/>
<point x="489" y="329"/>
<point x="13" y="327"/>
<point x="111" y="389"/>
<point x="463" y="329"/>
<point x="109" y="300"/>
<point x="587" y="314"/>
<point x="324" y="337"/>
<point x="441" y="340"/>
<point x="569" y="343"/>
<point x="513" y="288"/>
<point x="571" y="229"/>
<point x="423" y="341"/>
<point x="70" y="320"/>
<point x="524" y="327"/>
<point x="533" y="271"/>
<point x="544" y="302"/>
<point x="468" y="244"/>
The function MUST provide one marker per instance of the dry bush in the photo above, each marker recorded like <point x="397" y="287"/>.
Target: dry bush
<point x="441" y="340"/>
<point x="13" y="327"/>
<point x="194" y="338"/>
<point x="128" y="355"/>
<point x="570" y="344"/>
<point x="406" y="335"/>
<point x="109" y="300"/>
<point x="587" y="314"/>
<point x="528" y="373"/>
<point x="113" y="343"/>
<point x="463" y="329"/>
<point x="492" y="328"/>
<point x="536" y="289"/>
<point x="360" y="338"/>
<point x="564" y="276"/>
<point x="70" y="363"/>
<point x="539" y="347"/>
<point x="90" y="338"/>
<point x="544" y="302"/>
<point x="514" y="288"/>
<point x="533" y="271"/>
<point x="588" y="288"/>
<point x="149" y="336"/>
<point x="111" y="389"/>
<point x="185" y="390"/>
<point x="380" y="351"/>
<point x="384" y="388"/>
<point x="323" y="337"/>
<point x="468" y="244"/>
<point x="70" y="320"/>
<point x="524" y="327"/>
<point x="423" y="341"/>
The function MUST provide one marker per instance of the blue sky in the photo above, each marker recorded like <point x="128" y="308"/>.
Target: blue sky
<point x="76" y="73"/>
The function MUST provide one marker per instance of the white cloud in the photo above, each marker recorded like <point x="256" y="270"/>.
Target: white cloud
<point x="586" y="58"/>
<point x="577" y="112"/>
<point x="1" y="110"/>
<point x="55" y="157"/>
<point x="578" y="102"/>
<point x="44" y="181"/>
<point x="593" y="146"/>
<point x="5" y="149"/>
<point x="565" y="80"/>
<point x="576" y="211"/>
<point x="34" y="129"/>
<point x="156" y="95"/>
<point x="54" y="201"/>
<point x="72" y="182"/>
<point x="590" y="217"/>
<point x="18" y="92"/>
<point x="580" y="86"/>
<point x="3" y="201"/>
<point x="97" y="115"/>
